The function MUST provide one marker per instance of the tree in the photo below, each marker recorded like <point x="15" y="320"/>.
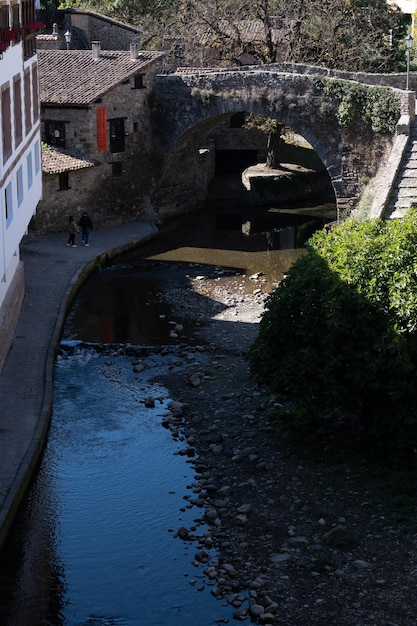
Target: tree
<point x="366" y="35"/>
<point x="356" y="35"/>
<point x="273" y="129"/>
<point x="341" y="331"/>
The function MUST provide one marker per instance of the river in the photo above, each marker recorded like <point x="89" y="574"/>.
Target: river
<point x="96" y="542"/>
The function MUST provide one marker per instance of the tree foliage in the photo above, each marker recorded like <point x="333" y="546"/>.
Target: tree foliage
<point x="341" y="330"/>
<point x="353" y="35"/>
<point x="361" y="35"/>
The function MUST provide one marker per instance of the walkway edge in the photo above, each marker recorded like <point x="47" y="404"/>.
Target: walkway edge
<point x="35" y="448"/>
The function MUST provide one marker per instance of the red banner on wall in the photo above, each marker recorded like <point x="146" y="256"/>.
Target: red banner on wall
<point x="101" y="129"/>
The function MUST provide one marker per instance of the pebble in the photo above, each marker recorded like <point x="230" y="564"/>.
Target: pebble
<point x="280" y="558"/>
<point x="228" y="430"/>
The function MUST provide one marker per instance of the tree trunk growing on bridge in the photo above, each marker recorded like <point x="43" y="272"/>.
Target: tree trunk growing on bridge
<point x="273" y="149"/>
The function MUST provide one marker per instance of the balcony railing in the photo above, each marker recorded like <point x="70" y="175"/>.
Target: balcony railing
<point x="25" y="32"/>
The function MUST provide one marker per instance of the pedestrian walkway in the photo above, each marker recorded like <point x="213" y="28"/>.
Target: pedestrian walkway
<point x="53" y="273"/>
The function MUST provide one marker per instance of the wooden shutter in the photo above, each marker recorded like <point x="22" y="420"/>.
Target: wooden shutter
<point x="101" y="129"/>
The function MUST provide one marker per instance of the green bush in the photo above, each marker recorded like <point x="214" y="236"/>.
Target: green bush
<point x="341" y="330"/>
<point x="378" y="106"/>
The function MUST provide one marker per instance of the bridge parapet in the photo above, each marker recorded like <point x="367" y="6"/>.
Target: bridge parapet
<point x="323" y="106"/>
<point x="397" y="81"/>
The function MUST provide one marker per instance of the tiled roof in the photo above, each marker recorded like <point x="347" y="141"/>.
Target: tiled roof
<point x="249" y="30"/>
<point x="55" y="161"/>
<point x="74" y="77"/>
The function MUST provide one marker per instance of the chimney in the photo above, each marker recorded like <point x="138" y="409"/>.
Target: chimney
<point x="95" y="46"/>
<point x="55" y="29"/>
<point x="134" y="51"/>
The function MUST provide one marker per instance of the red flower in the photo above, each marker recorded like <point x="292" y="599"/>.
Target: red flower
<point x="7" y="35"/>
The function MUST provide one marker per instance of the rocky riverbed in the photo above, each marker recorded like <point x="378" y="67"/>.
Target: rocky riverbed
<point x="304" y="535"/>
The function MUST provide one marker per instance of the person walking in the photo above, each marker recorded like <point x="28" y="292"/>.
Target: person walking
<point x="72" y="231"/>
<point x="86" y="226"/>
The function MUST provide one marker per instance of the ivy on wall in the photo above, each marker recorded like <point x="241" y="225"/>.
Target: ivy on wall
<point x="379" y="106"/>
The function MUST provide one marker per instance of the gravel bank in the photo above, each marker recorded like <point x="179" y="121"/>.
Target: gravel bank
<point x="305" y="537"/>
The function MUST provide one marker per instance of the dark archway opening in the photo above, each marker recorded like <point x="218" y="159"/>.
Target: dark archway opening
<point x="248" y="196"/>
<point x="234" y="161"/>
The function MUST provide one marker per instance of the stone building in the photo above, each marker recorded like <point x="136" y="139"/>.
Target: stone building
<point x="85" y="27"/>
<point x="96" y="134"/>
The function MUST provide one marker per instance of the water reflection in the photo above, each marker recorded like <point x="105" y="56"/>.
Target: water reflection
<point x="248" y="228"/>
<point x="249" y="239"/>
<point x="107" y="553"/>
<point x="32" y="583"/>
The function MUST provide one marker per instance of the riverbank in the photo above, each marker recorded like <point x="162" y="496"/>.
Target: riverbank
<point x="53" y="274"/>
<point x="317" y="536"/>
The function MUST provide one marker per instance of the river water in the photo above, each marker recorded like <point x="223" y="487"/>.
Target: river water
<point x="95" y="542"/>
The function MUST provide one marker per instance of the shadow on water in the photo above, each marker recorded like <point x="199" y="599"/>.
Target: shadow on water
<point x="94" y="543"/>
<point x="220" y="245"/>
<point x="245" y="229"/>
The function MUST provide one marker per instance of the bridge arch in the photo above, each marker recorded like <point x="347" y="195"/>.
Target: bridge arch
<point x="187" y="106"/>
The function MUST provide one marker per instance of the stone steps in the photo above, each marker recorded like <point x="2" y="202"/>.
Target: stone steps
<point x="404" y="194"/>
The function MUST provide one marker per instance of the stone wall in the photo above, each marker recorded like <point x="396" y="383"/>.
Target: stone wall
<point x="113" y="35"/>
<point x="10" y="311"/>
<point x="226" y="138"/>
<point x="57" y="205"/>
<point x="397" y="81"/>
<point x="80" y="131"/>
<point x="183" y="183"/>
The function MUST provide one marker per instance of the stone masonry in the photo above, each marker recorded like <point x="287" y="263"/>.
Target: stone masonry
<point x="189" y="105"/>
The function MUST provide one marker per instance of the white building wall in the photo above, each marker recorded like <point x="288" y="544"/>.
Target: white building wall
<point x="21" y="173"/>
<point x="406" y="6"/>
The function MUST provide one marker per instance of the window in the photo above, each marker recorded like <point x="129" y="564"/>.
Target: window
<point x="55" y="134"/>
<point x="35" y="91"/>
<point x="6" y="124"/>
<point x="117" y="135"/>
<point x="63" y="181"/>
<point x="37" y="157"/>
<point x="30" y="171"/>
<point x="19" y="179"/>
<point x="138" y="84"/>
<point x="117" y="168"/>
<point x="28" y="11"/>
<point x="15" y="16"/>
<point x="8" y="203"/>
<point x="4" y="17"/>
<point x="17" y="101"/>
<point x="28" y="16"/>
<point x="28" y="98"/>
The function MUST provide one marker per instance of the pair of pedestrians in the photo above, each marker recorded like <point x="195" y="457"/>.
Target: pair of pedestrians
<point x="85" y="225"/>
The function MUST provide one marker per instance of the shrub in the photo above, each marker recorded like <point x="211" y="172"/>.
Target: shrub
<point x="379" y="107"/>
<point x="341" y="330"/>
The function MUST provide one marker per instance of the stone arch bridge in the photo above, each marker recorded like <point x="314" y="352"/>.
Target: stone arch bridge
<point x="187" y="106"/>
